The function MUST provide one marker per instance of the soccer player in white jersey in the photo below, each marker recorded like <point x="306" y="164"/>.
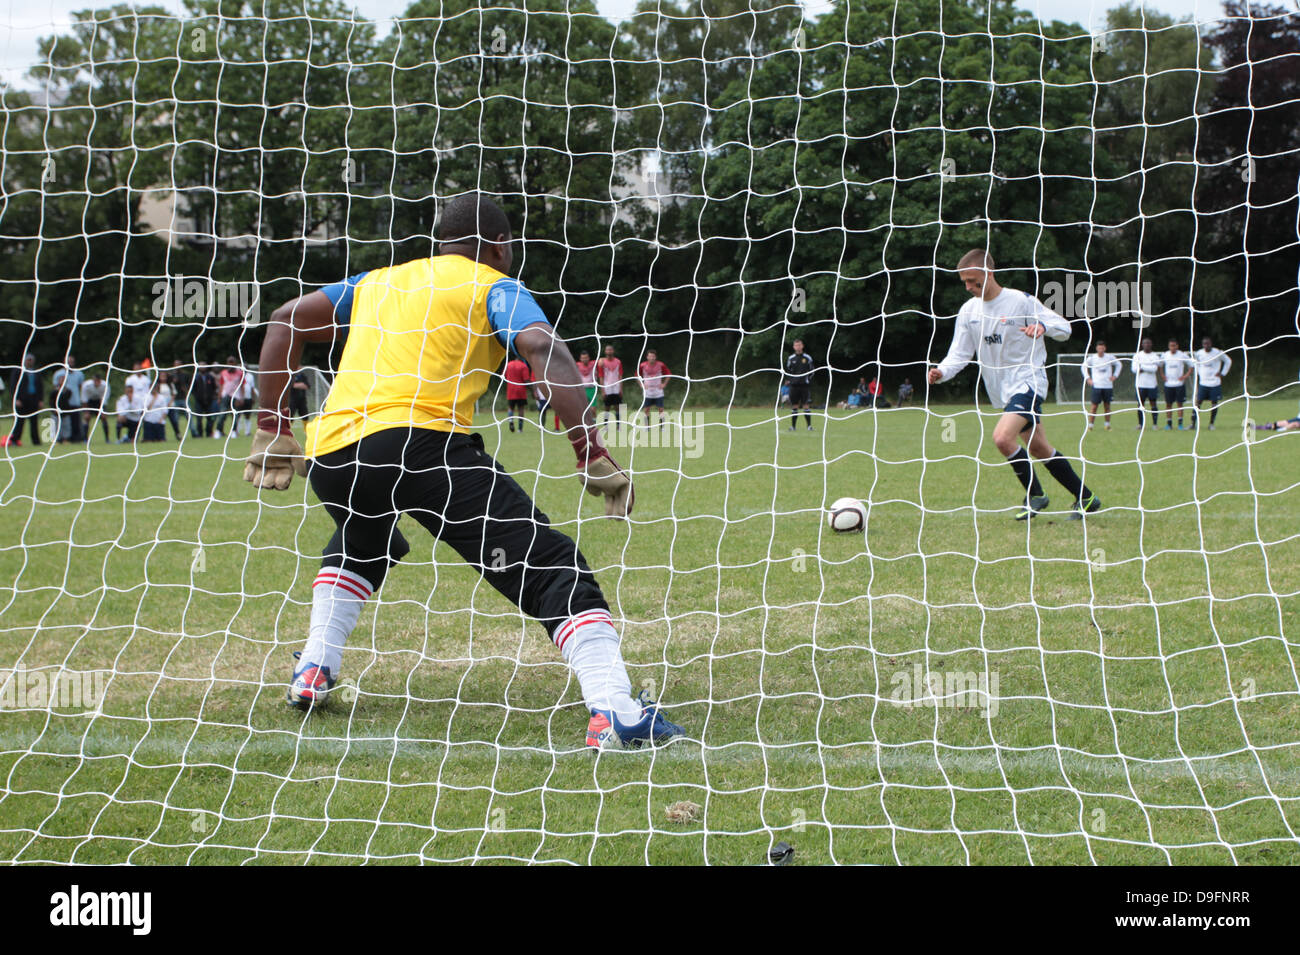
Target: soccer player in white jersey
<point x="1146" y="369"/>
<point x="1004" y="329"/>
<point x="1176" y="365"/>
<point x="1101" y="370"/>
<point x="1211" y="365"/>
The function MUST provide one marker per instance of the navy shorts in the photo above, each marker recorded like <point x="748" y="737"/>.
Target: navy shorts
<point x="1028" y="405"/>
<point x="1102" y="396"/>
<point x="1209" y="393"/>
<point x="654" y="402"/>
<point x="1147" y="396"/>
<point x="1175" y="394"/>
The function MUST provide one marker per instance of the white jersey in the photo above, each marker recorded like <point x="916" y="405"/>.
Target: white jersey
<point x="1102" y="370"/>
<point x="245" y="390"/>
<point x="93" y="395"/>
<point x="1211" y="366"/>
<point x="140" y="383"/>
<point x="129" y="407"/>
<point x="1010" y="361"/>
<point x="1146" y="366"/>
<point x="157" y="409"/>
<point x="1175" y="364"/>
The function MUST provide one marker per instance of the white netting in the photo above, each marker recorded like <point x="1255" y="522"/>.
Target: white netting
<point x="711" y="181"/>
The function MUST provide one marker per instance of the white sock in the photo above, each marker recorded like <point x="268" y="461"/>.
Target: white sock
<point x="337" y="597"/>
<point x="590" y="645"/>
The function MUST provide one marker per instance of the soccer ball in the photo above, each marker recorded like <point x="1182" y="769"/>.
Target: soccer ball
<point x="847" y="515"/>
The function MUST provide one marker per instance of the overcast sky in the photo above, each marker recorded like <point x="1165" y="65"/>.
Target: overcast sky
<point x="24" y="21"/>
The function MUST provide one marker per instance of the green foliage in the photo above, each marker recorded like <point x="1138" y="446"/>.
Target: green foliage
<point x="824" y="173"/>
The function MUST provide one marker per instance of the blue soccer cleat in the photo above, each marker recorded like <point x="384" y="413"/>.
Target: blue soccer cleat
<point x="310" y="685"/>
<point x="605" y="731"/>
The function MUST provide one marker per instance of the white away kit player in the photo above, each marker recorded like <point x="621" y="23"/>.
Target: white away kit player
<point x="1101" y="370"/>
<point x="1003" y="329"/>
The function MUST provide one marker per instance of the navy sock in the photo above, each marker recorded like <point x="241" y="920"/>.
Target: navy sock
<point x="1024" y="469"/>
<point x="1061" y="469"/>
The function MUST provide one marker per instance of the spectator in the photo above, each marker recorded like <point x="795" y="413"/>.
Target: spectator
<point x="243" y="405"/>
<point x="154" y="413"/>
<point x="876" y="392"/>
<point x="25" y="386"/>
<point x="181" y="382"/>
<point x="231" y="377"/>
<point x="205" y="401"/>
<point x="67" y="402"/>
<point x="168" y="391"/>
<point x="140" y="380"/>
<point x="857" y="397"/>
<point x="128" y="415"/>
<point x="94" y="402"/>
<point x="905" y="392"/>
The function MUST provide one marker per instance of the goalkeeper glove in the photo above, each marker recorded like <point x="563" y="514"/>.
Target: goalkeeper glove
<point x="601" y="474"/>
<point x="276" y="453"/>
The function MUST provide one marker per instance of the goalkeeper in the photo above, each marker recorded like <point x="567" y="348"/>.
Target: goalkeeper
<point x="423" y="341"/>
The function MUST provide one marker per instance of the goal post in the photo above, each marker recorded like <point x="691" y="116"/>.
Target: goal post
<point x="1072" y="388"/>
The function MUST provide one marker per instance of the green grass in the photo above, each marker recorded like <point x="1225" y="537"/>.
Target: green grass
<point x="1147" y="701"/>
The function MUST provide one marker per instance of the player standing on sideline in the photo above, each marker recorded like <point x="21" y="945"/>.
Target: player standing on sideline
<point x="1005" y="329"/>
<point x="609" y="373"/>
<point x="1146" y="366"/>
<point x="799" y="368"/>
<point x="394" y="436"/>
<point x="67" y="402"/>
<point x="1101" y="370"/>
<point x="28" y="397"/>
<point x="653" y="374"/>
<point x="1177" y="366"/>
<point x="587" y="369"/>
<point x="518" y="377"/>
<point x="1211" y="365"/>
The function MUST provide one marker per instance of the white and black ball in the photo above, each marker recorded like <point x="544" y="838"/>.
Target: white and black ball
<point x="847" y="515"/>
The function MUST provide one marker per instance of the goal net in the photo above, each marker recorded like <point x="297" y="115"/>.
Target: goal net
<point x="1072" y="388"/>
<point x="712" y="181"/>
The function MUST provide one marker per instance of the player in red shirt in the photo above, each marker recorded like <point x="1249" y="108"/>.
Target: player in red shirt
<point x="653" y="374"/>
<point x="518" y="377"/>
<point x="609" y="379"/>
<point x="587" y="369"/>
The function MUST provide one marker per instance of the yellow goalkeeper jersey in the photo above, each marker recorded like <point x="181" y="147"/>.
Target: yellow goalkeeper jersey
<point x="423" y="341"/>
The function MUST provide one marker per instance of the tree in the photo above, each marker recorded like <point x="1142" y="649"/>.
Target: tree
<point x="1246" y="203"/>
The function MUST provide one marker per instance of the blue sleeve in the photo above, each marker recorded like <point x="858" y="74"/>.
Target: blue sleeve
<point x="511" y="308"/>
<point x="340" y="293"/>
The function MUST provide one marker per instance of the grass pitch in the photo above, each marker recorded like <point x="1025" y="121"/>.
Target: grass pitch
<point x="1141" y="702"/>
